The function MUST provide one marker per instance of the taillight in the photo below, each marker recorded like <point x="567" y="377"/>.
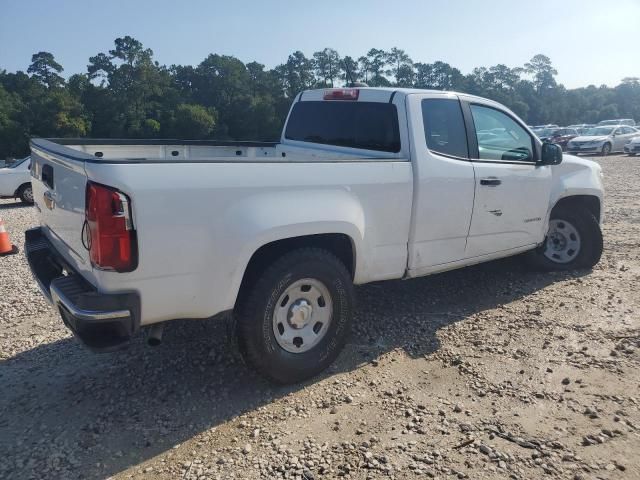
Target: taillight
<point x="342" y="94"/>
<point x="108" y="232"/>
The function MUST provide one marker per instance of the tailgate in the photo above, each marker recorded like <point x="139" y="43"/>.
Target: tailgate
<point x="59" y="182"/>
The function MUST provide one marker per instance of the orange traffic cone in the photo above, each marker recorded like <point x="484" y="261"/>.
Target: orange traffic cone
<point x="6" y="248"/>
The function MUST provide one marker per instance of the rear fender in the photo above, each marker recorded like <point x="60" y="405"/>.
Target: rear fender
<point x="271" y="216"/>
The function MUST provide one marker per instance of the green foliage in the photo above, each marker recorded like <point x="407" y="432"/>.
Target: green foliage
<point x="46" y="69"/>
<point x="327" y="66"/>
<point x="193" y="122"/>
<point x="126" y="94"/>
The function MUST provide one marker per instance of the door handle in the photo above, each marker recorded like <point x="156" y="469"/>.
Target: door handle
<point x="50" y="199"/>
<point x="490" y="182"/>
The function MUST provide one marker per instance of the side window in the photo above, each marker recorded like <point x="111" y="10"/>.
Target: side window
<point x="444" y="129"/>
<point x="500" y="137"/>
<point x="626" y="130"/>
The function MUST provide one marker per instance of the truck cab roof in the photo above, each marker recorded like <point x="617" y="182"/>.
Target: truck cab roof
<point x="386" y="95"/>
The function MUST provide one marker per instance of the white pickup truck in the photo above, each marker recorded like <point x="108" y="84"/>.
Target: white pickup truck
<point x="366" y="184"/>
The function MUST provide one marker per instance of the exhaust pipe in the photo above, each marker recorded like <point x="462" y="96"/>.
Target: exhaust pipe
<point x="155" y="334"/>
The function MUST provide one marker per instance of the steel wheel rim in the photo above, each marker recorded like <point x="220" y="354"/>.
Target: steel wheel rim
<point x="302" y="315"/>
<point x="563" y="242"/>
<point x="28" y="194"/>
<point x="606" y="150"/>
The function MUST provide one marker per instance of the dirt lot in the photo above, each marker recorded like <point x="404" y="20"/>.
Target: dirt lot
<point x="487" y="372"/>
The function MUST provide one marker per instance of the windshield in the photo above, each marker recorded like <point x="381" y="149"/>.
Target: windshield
<point x="18" y="162"/>
<point x="544" y="132"/>
<point x="598" y="132"/>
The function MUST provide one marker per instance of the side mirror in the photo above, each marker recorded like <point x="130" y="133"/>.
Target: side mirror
<point x="551" y="154"/>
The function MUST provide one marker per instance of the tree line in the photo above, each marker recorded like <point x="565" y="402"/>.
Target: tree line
<point x="125" y="93"/>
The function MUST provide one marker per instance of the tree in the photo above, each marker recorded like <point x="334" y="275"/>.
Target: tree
<point x="193" y="121"/>
<point x="350" y="70"/>
<point x="543" y="72"/>
<point x="13" y="137"/>
<point x="438" y="76"/>
<point x="100" y="67"/>
<point x="296" y="75"/>
<point x="377" y="62"/>
<point x="45" y="68"/>
<point x="401" y="67"/>
<point x="327" y="66"/>
<point x="131" y="51"/>
<point x="125" y="93"/>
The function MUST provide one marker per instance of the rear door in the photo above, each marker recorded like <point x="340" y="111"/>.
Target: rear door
<point x="511" y="190"/>
<point x="59" y="182"/>
<point x="443" y="182"/>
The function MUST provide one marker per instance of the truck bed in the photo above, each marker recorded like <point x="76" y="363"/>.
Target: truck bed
<point x="169" y="150"/>
<point x="200" y="209"/>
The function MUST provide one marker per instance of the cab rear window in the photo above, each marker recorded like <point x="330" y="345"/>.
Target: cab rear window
<point x="365" y="125"/>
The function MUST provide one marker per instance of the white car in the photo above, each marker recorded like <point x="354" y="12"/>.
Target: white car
<point x="633" y="147"/>
<point x="366" y="184"/>
<point x="630" y="122"/>
<point x="602" y="140"/>
<point x="15" y="181"/>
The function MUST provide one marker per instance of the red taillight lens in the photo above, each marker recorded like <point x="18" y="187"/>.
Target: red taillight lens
<point x="109" y="233"/>
<point x="342" y="94"/>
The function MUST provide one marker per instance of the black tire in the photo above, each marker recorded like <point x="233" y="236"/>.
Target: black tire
<point x="256" y="307"/>
<point x="591" y="244"/>
<point x="25" y="193"/>
<point x="606" y="149"/>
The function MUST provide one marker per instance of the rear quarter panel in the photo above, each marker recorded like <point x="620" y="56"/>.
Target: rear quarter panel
<point x="198" y="224"/>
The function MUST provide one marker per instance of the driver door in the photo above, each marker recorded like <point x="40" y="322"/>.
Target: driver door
<point x="511" y="190"/>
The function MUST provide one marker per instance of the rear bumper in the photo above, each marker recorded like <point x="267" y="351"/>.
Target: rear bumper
<point x="103" y="322"/>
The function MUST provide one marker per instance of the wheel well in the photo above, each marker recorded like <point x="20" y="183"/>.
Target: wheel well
<point x="339" y="244"/>
<point x="17" y="192"/>
<point x="591" y="203"/>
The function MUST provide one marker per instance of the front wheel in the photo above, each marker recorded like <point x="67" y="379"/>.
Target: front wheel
<point x="26" y="193"/>
<point x="294" y="321"/>
<point x="606" y="149"/>
<point x="574" y="240"/>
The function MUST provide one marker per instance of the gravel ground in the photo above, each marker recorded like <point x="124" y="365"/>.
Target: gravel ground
<point x="486" y="372"/>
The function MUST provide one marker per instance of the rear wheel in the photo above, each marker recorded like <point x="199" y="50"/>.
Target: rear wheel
<point x="574" y="240"/>
<point x="25" y="193"/>
<point x="294" y="321"/>
<point x="606" y="149"/>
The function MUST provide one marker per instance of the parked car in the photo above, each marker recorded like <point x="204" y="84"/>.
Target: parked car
<point x="560" y="136"/>
<point x="15" y="181"/>
<point x="633" y="146"/>
<point x="602" y="140"/>
<point x="364" y="185"/>
<point x="621" y="121"/>
<point x="582" y="127"/>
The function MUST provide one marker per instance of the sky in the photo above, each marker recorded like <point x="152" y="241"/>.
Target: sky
<point x="589" y="41"/>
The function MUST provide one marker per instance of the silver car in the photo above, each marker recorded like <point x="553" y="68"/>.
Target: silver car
<point x="630" y="122"/>
<point x="603" y="140"/>
<point x="633" y="147"/>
